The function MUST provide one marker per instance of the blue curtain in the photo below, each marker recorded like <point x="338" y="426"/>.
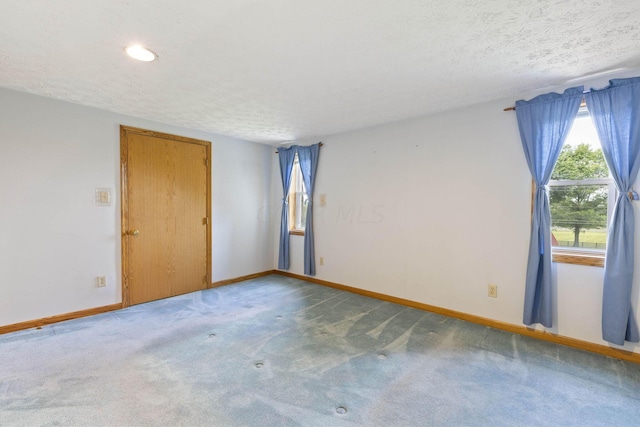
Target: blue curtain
<point x="615" y="111"/>
<point x="544" y="123"/>
<point x="286" y="156"/>
<point x="308" y="157"/>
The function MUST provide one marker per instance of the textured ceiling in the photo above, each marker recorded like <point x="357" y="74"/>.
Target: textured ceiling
<point x="280" y="70"/>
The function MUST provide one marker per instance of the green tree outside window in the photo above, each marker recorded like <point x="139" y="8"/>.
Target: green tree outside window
<point x="579" y="207"/>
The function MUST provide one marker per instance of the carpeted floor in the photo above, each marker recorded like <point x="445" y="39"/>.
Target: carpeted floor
<point x="277" y="351"/>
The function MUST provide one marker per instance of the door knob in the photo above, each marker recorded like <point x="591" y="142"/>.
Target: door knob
<point x="133" y="232"/>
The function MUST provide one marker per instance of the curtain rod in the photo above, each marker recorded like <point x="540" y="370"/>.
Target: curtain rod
<point x="321" y="144"/>
<point x="582" y="105"/>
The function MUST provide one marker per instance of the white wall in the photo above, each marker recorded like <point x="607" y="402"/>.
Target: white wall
<point x="54" y="241"/>
<point x="433" y="210"/>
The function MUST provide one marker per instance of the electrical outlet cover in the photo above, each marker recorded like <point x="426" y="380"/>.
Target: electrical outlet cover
<point x="493" y="291"/>
<point x="102" y="281"/>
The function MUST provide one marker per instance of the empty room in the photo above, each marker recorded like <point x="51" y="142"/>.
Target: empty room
<point x="355" y="213"/>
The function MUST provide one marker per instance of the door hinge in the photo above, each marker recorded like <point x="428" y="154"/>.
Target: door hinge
<point x="205" y="221"/>
<point x="206" y="162"/>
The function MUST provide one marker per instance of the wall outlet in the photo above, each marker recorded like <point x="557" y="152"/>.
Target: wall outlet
<point x="493" y="291"/>
<point x="102" y="281"/>
<point x="321" y="260"/>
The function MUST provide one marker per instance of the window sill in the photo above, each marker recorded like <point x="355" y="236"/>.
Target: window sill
<point x="568" y="256"/>
<point x="296" y="232"/>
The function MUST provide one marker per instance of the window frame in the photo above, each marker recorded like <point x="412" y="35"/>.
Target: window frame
<point x="585" y="256"/>
<point x="292" y="201"/>
<point x="582" y="256"/>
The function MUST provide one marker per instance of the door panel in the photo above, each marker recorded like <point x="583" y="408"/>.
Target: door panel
<point x="190" y="195"/>
<point x="166" y="189"/>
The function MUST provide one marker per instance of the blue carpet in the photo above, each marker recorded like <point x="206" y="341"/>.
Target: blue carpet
<point x="277" y="351"/>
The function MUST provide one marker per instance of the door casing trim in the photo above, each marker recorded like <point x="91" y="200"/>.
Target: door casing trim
<point x="125" y="131"/>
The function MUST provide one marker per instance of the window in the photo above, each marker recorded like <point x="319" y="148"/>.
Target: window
<point x="298" y="200"/>
<point x="581" y="194"/>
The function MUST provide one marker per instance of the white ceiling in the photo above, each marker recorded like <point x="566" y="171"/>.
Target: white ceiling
<point x="281" y="70"/>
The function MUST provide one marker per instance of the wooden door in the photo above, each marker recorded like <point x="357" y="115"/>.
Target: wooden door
<point x="166" y="207"/>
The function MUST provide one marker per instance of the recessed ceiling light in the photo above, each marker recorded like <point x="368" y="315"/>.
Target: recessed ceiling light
<point x="140" y="53"/>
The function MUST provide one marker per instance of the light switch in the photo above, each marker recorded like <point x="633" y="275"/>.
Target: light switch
<point x="103" y="197"/>
<point x="323" y="200"/>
